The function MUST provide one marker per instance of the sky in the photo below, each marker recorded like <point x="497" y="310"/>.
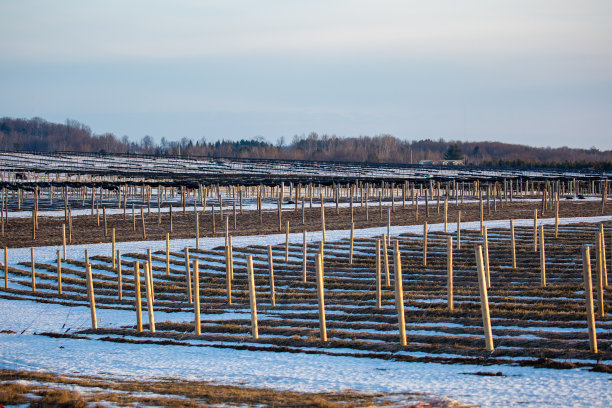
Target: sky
<point x="534" y="72"/>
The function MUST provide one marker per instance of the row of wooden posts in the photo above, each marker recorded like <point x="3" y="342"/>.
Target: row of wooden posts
<point x="482" y="263"/>
<point x="550" y="192"/>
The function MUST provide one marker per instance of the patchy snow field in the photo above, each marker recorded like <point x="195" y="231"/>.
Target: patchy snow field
<point x="22" y="349"/>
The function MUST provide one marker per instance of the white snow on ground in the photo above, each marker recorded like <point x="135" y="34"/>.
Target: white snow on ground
<point x="49" y="253"/>
<point x="522" y="386"/>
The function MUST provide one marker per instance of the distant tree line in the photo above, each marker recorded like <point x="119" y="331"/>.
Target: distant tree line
<point x="38" y="135"/>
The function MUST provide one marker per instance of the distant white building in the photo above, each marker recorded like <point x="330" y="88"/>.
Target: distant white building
<point x="441" y="163"/>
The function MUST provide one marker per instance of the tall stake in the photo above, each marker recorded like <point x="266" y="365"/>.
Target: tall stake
<point x="119" y="277"/>
<point x="59" y="272"/>
<point x="321" y="297"/>
<point x="188" y="276"/>
<point x="149" y="294"/>
<point x="92" y="298"/>
<point x="399" y="293"/>
<point x="252" y="298"/>
<point x="271" y="266"/>
<point x="137" y="296"/>
<point x="484" y="299"/>
<point x="33" y="269"/>
<point x="351" y="248"/>
<point x="449" y="272"/>
<point x="304" y="257"/>
<point x="542" y="258"/>
<point x="588" y="292"/>
<point x="378" y="275"/>
<point x="196" y="292"/>
<point x="425" y="244"/>
<point x="513" y="244"/>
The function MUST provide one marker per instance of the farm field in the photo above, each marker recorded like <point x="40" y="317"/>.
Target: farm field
<point x="243" y="311"/>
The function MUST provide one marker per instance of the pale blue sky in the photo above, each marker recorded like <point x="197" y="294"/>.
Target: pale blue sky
<point x="530" y="72"/>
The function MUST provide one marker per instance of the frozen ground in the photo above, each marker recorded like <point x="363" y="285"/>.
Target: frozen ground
<point x="49" y="253"/>
<point x="24" y="350"/>
<point x="522" y="386"/>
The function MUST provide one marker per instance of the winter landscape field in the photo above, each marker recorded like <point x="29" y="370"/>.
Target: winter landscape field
<point x="137" y="291"/>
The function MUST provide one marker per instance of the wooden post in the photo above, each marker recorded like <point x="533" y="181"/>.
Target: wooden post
<point x="271" y="267"/>
<point x="304" y="246"/>
<point x="535" y="230"/>
<point x="588" y="292"/>
<point x="321" y="297"/>
<point x="33" y="226"/>
<point x="197" y="231"/>
<point x="485" y="239"/>
<point x="59" y="271"/>
<point x="92" y="299"/>
<point x="252" y="298"/>
<point x="603" y="256"/>
<point x="150" y="270"/>
<point x="557" y="217"/>
<point x="64" y="239"/>
<point x="323" y="218"/>
<point x="231" y="258"/>
<point x="425" y="244"/>
<point x="599" y="278"/>
<point x="351" y="248"/>
<point x="172" y="218"/>
<point x="167" y="254"/>
<point x="389" y="226"/>
<point x="113" y="249"/>
<point x="449" y="272"/>
<point x="481" y="212"/>
<point x="399" y="293"/>
<point x="542" y="258"/>
<point x="188" y="276"/>
<point x="386" y="259"/>
<point x="446" y="215"/>
<point x="105" y="223"/>
<point x="287" y="243"/>
<point x="33" y="269"/>
<point x="484" y="300"/>
<point x="458" y="230"/>
<point x="149" y="295"/>
<point x="378" y="275"/>
<point x="228" y="276"/>
<point x="137" y="296"/>
<point x="144" y="228"/>
<point x="119" y="276"/>
<point x="196" y="295"/>
<point x="513" y="244"/>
